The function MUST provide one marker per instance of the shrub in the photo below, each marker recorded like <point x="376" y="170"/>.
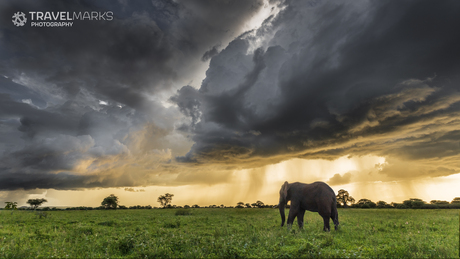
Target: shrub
<point x="170" y="224"/>
<point x="182" y="212"/>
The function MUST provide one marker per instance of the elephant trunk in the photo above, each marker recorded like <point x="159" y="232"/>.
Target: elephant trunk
<point x="283" y="217"/>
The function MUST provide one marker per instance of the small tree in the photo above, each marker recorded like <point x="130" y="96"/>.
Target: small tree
<point x="35" y="203"/>
<point x="455" y="200"/>
<point x="240" y="204"/>
<point x="382" y="204"/>
<point x="11" y="205"/>
<point x="344" y="198"/>
<point x="258" y="204"/>
<point x="413" y="203"/>
<point x="365" y="203"/>
<point x="110" y="202"/>
<point x="165" y="200"/>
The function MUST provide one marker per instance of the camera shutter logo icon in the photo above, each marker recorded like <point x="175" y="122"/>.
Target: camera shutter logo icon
<point x="19" y="19"/>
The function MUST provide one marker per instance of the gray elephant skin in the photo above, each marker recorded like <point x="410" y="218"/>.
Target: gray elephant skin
<point x="315" y="197"/>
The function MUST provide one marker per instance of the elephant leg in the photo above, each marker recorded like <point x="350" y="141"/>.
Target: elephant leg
<point x="325" y="212"/>
<point x="300" y="216"/>
<point x="335" y="218"/>
<point x="327" y="227"/>
<point x="293" y="211"/>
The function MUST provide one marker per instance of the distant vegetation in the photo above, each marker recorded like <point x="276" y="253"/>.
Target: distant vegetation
<point x="344" y="200"/>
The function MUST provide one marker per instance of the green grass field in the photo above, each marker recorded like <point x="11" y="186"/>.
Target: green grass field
<point x="229" y="233"/>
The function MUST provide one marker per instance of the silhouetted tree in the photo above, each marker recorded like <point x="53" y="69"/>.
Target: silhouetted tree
<point x="35" y="203"/>
<point x="258" y="204"/>
<point x="455" y="200"/>
<point x="110" y="202"/>
<point x="240" y="204"/>
<point x="365" y="203"/>
<point x="165" y="200"/>
<point x="344" y="198"/>
<point x="413" y="203"/>
<point x="11" y="205"/>
<point x="398" y="205"/>
<point x="438" y="202"/>
<point x="382" y="204"/>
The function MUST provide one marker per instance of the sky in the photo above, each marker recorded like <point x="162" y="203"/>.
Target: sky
<point x="219" y="102"/>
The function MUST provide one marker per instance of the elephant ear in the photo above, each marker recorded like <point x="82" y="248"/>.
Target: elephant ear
<point x="285" y="189"/>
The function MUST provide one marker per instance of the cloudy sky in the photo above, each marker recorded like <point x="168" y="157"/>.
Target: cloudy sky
<point x="222" y="101"/>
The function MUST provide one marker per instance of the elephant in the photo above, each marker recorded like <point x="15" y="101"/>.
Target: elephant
<point x="316" y="197"/>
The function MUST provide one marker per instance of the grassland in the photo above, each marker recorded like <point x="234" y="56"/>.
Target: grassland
<point x="229" y="233"/>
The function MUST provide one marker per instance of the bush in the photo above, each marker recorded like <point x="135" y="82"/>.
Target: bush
<point x="126" y="245"/>
<point x="183" y="212"/>
<point x="170" y="224"/>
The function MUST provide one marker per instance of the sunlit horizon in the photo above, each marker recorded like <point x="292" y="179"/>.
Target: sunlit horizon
<point x="263" y="184"/>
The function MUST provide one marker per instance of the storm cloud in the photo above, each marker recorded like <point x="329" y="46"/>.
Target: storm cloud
<point x="78" y="102"/>
<point x="337" y="79"/>
<point x="183" y="92"/>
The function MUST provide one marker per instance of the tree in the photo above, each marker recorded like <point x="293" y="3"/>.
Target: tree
<point x="258" y="204"/>
<point x="35" y="203"/>
<point x="165" y="200"/>
<point x="382" y="204"/>
<point x="11" y="205"/>
<point x="413" y="203"/>
<point x="455" y="200"/>
<point x="110" y="202"/>
<point x="365" y="203"/>
<point x="438" y="202"/>
<point x="240" y="204"/>
<point x="344" y="198"/>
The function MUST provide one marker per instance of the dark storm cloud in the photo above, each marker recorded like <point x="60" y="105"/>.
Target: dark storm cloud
<point x="74" y="97"/>
<point x="337" y="79"/>
<point x="210" y="53"/>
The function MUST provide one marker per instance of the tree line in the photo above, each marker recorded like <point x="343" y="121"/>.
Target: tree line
<point x="344" y="200"/>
